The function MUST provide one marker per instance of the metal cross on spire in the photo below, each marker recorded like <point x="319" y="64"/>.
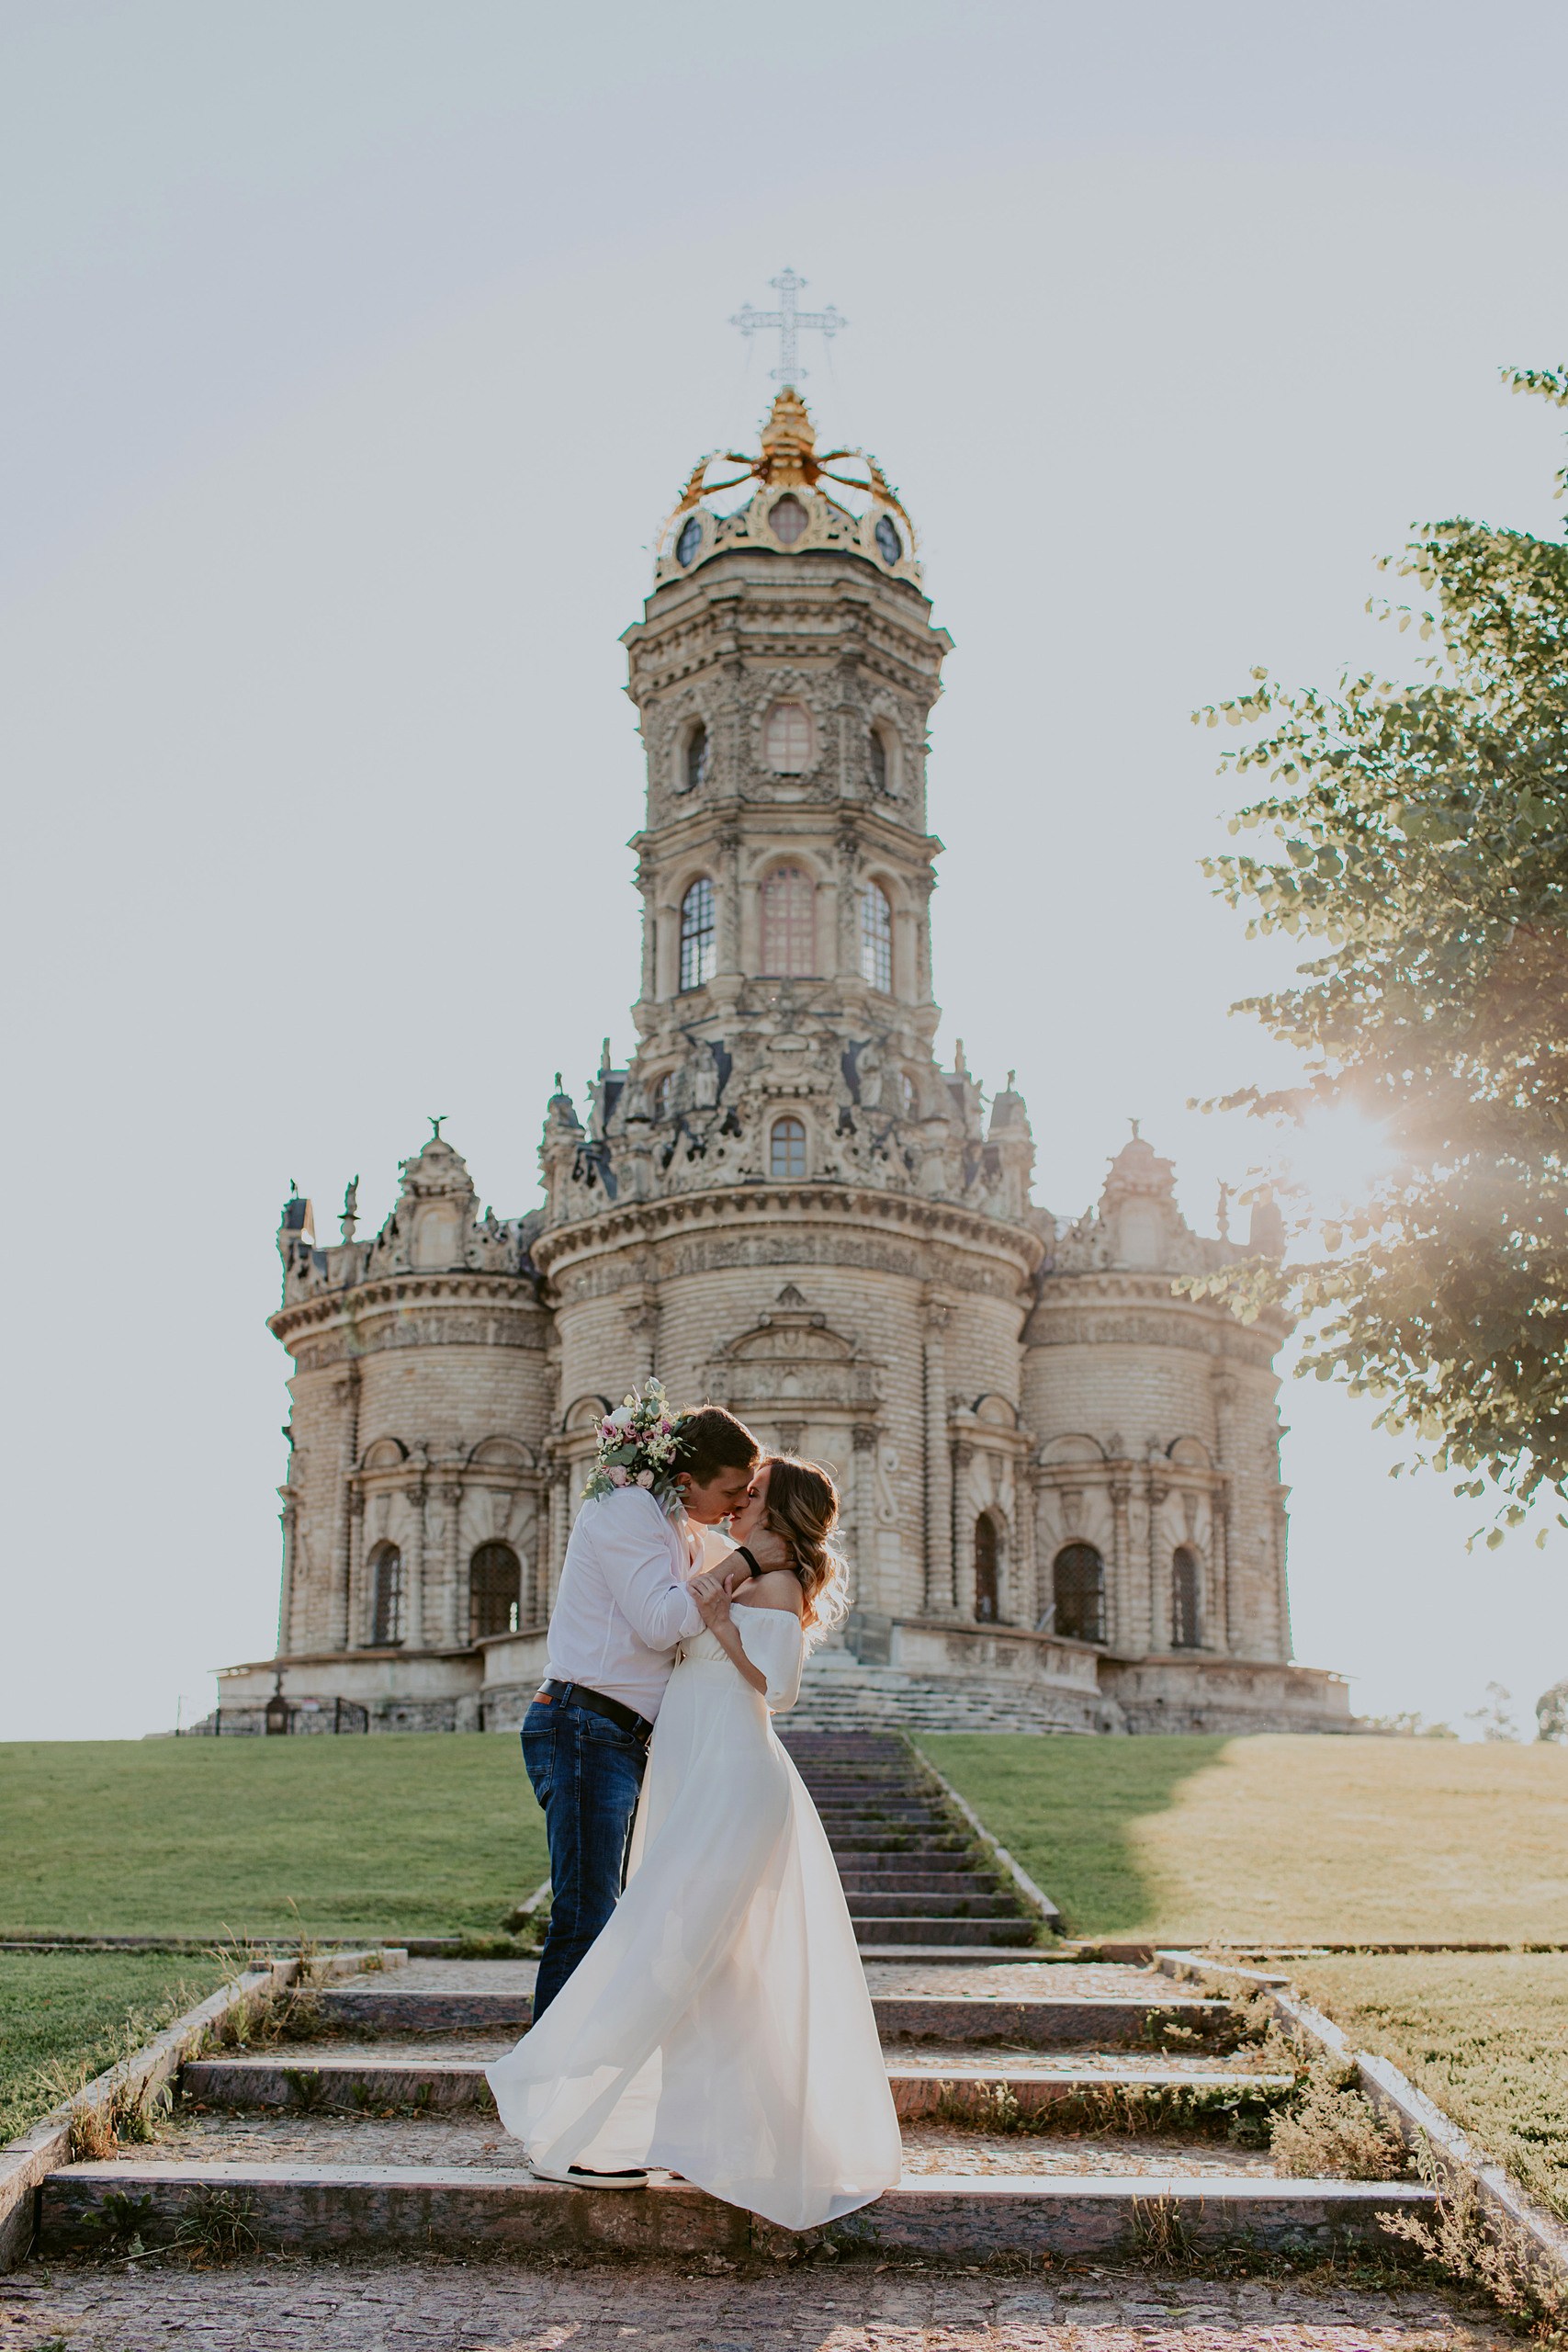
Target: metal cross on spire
<point x="788" y="321"/>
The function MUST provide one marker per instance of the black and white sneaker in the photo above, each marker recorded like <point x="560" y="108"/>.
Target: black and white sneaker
<point x="579" y="2176"/>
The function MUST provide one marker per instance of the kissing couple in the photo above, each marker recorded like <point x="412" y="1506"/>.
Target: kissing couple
<point x="712" y="2019"/>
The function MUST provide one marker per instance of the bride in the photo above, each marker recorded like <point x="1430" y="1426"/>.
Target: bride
<point x="720" y="2026"/>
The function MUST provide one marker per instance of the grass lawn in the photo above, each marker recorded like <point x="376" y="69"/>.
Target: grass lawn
<point x="1281" y="1838"/>
<point x="1484" y="2034"/>
<point x="80" y="2008"/>
<point x="421" y="1833"/>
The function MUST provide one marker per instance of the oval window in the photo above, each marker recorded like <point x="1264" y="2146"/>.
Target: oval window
<point x="890" y="547"/>
<point x="690" y="540"/>
<point x="789" y="519"/>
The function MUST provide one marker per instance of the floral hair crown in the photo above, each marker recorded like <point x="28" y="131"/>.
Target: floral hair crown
<point x="637" y="1443"/>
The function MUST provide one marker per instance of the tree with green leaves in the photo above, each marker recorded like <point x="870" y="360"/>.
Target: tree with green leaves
<point x="1416" y="835"/>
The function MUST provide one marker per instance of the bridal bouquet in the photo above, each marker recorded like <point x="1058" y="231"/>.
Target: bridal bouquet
<point x="636" y="1448"/>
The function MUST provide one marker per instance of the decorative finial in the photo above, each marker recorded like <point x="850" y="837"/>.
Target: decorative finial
<point x="435" y="1124"/>
<point x="1133" y="1125"/>
<point x="1225" y="1211"/>
<point x="350" y="1217"/>
<point x="959" y="1063"/>
<point x="1012" y="1081"/>
<point x="788" y="321"/>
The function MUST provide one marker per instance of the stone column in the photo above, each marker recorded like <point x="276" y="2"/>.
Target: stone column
<point x="560" y="1530"/>
<point x="415" y="1615"/>
<point x="940" y="1599"/>
<point x="1120" y="1612"/>
<point x="361" y="1620"/>
<point x="963" y="1532"/>
<point x="1159" y="1572"/>
<point x="453" y="1627"/>
<point x="866" y="1565"/>
<point x="648" y="887"/>
<point x="1217" y="1632"/>
<point x="289" y="1519"/>
<point x="728" y="909"/>
<point x="1225" y="1394"/>
<point x="1023" y="1586"/>
<point x="846" y="960"/>
<point x="345" y="1395"/>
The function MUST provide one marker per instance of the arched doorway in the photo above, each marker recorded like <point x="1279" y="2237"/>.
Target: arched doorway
<point x="1079" y="1583"/>
<point x="495" y="1591"/>
<point x="987" y="1593"/>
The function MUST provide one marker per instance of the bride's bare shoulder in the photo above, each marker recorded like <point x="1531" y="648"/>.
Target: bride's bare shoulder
<point x="775" y="1588"/>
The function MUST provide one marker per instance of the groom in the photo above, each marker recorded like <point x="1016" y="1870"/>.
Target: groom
<point x="621" y="1608"/>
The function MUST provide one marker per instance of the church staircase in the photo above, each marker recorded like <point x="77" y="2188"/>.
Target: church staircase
<point x="1053" y="2104"/>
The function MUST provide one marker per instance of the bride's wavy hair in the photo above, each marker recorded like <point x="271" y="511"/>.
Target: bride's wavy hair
<point x="803" y="1508"/>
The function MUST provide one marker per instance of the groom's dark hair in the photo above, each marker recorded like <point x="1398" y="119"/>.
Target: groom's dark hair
<point x="708" y="1439"/>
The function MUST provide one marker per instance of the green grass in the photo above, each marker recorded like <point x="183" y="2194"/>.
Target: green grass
<point x="1281" y="1838"/>
<point x="1484" y="2034"/>
<point x="78" y="2009"/>
<point x="417" y="1834"/>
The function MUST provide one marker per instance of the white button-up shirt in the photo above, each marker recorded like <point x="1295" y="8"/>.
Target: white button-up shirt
<point x="623" y="1604"/>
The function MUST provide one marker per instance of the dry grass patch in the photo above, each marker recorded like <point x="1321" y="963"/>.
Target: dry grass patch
<point x="1283" y="1839"/>
<point x="1484" y="2034"/>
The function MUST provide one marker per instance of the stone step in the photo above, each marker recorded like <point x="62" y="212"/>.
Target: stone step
<point x="320" y="2209"/>
<point x="327" y="2081"/>
<point x="923" y="1927"/>
<point x="848" y="1843"/>
<point x="901" y="1882"/>
<point x="1041" y="2021"/>
<point x="926" y="1903"/>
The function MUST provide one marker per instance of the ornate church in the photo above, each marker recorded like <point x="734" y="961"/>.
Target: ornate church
<point x="1062" y="1499"/>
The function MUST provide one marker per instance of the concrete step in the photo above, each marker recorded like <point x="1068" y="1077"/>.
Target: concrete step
<point x="924" y="1927"/>
<point x="925" y="1902"/>
<point x="1038" y="2021"/>
<point x="324" y="2081"/>
<point x="857" y="1883"/>
<point x="917" y="1849"/>
<point x="322" y="2208"/>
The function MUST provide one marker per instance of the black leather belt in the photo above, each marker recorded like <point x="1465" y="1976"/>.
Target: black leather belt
<point x="572" y="1694"/>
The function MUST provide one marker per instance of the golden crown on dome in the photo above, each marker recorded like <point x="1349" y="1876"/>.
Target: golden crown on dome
<point x="790" y="513"/>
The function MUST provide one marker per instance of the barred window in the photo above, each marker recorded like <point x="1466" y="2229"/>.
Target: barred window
<point x="387" y="1591"/>
<point x="786" y="738"/>
<point x="876" y="937"/>
<point x="1078" y="1578"/>
<point x="789" y="923"/>
<point x="987" y="1596"/>
<point x="699" y="947"/>
<point x="786" y="1152"/>
<point x="1185" y="1590"/>
<point x="495" y="1591"/>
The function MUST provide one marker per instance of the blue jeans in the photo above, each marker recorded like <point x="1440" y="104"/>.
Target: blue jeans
<point x="586" y="1773"/>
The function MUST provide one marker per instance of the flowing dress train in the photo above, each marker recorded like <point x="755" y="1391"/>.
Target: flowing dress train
<point x="720" y="2025"/>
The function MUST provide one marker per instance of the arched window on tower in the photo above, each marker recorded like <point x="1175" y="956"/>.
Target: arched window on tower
<point x="877" y="759"/>
<point x="1186" y="1600"/>
<point x="1079" y="1583"/>
<point x="988" y="1594"/>
<point x="876" y="938"/>
<point x="786" y="738"/>
<point x="387" y="1596"/>
<point x="789" y="923"/>
<point x="786" y="1152"/>
<point x="699" y="942"/>
<point x="695" y="769"/>
<point x="495" y="1591"/>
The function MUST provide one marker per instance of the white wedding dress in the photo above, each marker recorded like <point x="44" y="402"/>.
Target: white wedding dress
<point x="720" y="2025"/>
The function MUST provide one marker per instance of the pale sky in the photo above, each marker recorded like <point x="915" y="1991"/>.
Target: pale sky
<point x="354" y="351"/>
